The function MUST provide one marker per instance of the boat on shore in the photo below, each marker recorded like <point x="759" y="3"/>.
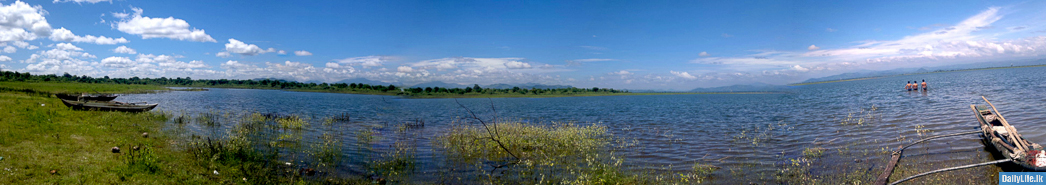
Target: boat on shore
<point x="108" y="105"/>
<point x="1005" y="139"/>
<point x="89" y="97"/>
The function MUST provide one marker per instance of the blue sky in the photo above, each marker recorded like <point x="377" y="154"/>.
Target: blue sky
<point x="671" y="45"/>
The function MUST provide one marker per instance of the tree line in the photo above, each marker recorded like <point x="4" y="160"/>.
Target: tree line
<point x="357" y="88"/>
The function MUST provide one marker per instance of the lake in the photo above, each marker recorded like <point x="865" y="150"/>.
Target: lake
<point x="747" y="135"/>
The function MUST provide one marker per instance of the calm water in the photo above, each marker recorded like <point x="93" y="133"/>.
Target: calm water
<point x="679" y="130"/>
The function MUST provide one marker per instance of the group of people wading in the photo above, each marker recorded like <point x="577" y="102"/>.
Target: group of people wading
<point x="914" y="86"/>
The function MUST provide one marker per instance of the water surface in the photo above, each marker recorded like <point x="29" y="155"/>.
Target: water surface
<point x="678" y="130"/>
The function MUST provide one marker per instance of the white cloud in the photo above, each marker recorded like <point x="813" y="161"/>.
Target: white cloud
<point x="21" y="44"/>
<point x="223" y="54"/>
<point x="10" y="49"/>
<point x="799" y="68"/>
<point x="517" y="65"/>
<point x="21" y="22"/>
<point x="124" y="50"/>
<point x="813" y="47"/>
<point x="367" y="61"/>
<point x="118" y="62"/>
<point x="622" y="72"/>
<point x="168" y="27"/>
<point x="235" y="46"/>
<point x="405" y="69"/>
<point x="62" y="34"/>
<point x="67" y="46"/>
<point x="683" y="75"/>
<point x="195" y="64"/>
<point x="703" y="54"/>
<point x="303" y="53"/>
<point x="281" y="52"/>
<point x="82" y="1"/>
<point x="5" y="58"/>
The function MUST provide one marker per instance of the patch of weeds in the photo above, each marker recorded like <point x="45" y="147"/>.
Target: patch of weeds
<point x="813" y="153"/>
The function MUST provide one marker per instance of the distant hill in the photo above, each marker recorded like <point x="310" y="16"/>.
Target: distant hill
<point x="869" y="73"/>
<point x="366" y="81"/>
<point x="755" y="87"/>
<point x="441" y="85"/>
<point x="526" y="86"/>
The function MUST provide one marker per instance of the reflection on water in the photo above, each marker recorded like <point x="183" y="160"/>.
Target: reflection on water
<point x="854" y="122"/>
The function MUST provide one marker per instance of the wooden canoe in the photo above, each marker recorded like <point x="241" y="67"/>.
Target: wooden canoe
<point x="1005" y="139"/>
<point x="109" y="106"/>
<point x="89" y="97"/>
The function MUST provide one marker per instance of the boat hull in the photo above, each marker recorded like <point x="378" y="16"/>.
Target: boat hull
<point x="108" y="106"/>
<point x="1031" y="160"/>
<point x="75" y="97"/>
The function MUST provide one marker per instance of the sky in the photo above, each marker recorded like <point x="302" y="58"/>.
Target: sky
<point x="660" y="45"/>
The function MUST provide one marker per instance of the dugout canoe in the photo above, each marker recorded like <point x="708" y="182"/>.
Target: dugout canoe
<point x="89" y="97"/>
<point x="109" y="106"/>
<point x="1004" y="138"/>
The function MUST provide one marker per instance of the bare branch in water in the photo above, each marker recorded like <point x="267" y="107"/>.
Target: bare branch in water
<point x="493" y="134"/>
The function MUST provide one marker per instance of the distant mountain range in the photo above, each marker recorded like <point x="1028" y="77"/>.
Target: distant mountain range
<point x="755" y="87"/>
<point x="869" y="73"/>
<point x="441" y="85"/>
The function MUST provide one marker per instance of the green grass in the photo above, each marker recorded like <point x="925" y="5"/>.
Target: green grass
<point x="39" y="134"/>
<point x="73" y="87"/>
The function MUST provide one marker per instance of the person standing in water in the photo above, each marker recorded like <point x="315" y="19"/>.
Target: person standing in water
<point x="924" y="84"/>
<point x="908" y="86"/>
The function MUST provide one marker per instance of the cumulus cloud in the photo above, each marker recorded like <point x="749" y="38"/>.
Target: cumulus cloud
<point x="223" y="54"/>
<point x="281" y="52"/>
<point x="169" y="27"/>
<point x="5" y="58"/>
<point x="10" y="49"/>
<point x="367" y="61"/>
<point x="703" y="54"/>
<point x="118" y="62"/>
<point x="517" y="65"/>
<point x="622" y="72"/>
<point x="21" y="22"/>
<point x="235" y="46"/>
<point x="683" y="75"/>
<point x="303" y="53"/>
<point x="405" y="69"/>
<point x="124" y="50"/>
<point x="67" y="46"/>
<point x="813" y="47"/>
<point x="62" y="34"/>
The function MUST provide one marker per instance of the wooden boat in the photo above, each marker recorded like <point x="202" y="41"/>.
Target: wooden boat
<point x="108" y="106"/>
<point x="1006" y="140"/>
<point x="89" y="97"/>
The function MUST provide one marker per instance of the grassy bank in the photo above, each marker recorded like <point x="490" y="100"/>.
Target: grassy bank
<point x="44" y="142"/>
<point x="75" y="87"/>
